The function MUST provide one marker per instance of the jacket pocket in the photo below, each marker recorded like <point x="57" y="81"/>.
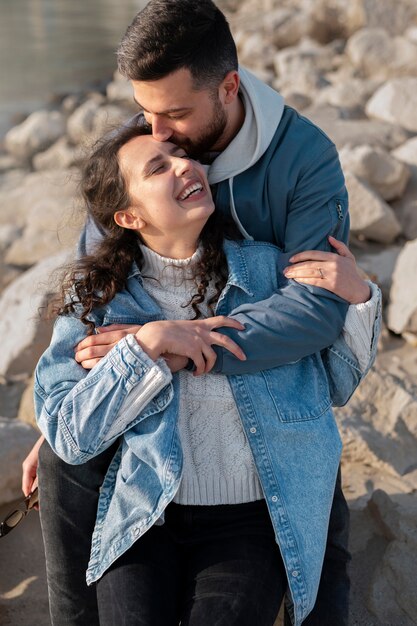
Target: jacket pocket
<point x="299" y="391"/>
<point x="338" y="212"/>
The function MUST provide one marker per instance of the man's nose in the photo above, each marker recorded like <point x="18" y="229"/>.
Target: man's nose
<point x="160" y="129"/>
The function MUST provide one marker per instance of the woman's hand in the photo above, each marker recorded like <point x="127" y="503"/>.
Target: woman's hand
<point x="336" y="272"/>
<point x="189" y="338"/>
<point x="93" y="348"/>
<point x="30" y="469"/>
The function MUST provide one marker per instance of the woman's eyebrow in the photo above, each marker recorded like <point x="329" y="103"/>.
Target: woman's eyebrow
<point x="158" y="158"/>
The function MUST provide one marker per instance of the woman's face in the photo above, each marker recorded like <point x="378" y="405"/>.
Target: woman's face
<point x="171" y="198"/>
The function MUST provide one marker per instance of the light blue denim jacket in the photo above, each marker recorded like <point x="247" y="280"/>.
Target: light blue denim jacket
<point x="285" y="411"/>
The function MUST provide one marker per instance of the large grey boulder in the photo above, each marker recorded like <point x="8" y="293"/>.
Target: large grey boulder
<point x="40" y="130"/>
<point x="379" y="265"/>
<point x="94" y="118"/>
<point x="24" y="331"/>
<point x="44" y="208"/>
<point x="120" y="89"/>
<point x="377" y="54"/>
<point x="406" y="207"/>
<point x="387" y="176"/>
<point x="81" y="122"/>
<point x="370" y="216"/>
<point x="356" y="132"/>
<point x="396" y="102"/>
<point x="16" y="440"/>
<point x="348" y="93"/>
<point x="61" y="155"/>
<point x="303" y="67"/>
<point x="402" y="309"/>
<point x="21" y="191"/>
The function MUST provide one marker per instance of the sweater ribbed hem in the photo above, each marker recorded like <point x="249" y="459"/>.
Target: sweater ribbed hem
<point x="216" y="490"/>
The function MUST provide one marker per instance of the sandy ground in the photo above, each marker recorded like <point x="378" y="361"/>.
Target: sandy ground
<point x="23" y="594"/>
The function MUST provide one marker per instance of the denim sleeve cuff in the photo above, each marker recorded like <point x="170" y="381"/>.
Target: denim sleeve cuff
<point x="149" y="379"/>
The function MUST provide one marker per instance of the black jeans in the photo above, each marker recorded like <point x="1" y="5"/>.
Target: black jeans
<point x="205" y="566"/>
<point x="69" y="495"/>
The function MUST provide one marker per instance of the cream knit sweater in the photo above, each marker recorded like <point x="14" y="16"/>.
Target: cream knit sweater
<point x="218" y="464"/>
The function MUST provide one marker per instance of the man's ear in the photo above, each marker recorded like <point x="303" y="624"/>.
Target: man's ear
<point x="230" y="87"/>
<point x="129" y="219"/>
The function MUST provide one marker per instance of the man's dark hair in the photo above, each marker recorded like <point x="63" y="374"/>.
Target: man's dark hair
<point x="168" y="35"/>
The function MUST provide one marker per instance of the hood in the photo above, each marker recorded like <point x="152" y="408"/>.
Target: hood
<point x="263" y="112"/>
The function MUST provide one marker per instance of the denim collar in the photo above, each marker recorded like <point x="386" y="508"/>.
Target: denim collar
<point x="238" y="270"/>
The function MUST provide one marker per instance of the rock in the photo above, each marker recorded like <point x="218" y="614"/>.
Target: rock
<point x="392" y="598"/>
<point x="377" y="54"/>
<point x="379" y="424"/>
<point x="110" y="117"/>
<point x="379" y="265"/>
<point x="406" y="208"/>
<point x="36" y="133"/>
<point x="61" y="155"/>
<point x="296" y="100"/>
<point x="392" y="15"/>
<point x="93" y="118"/>
<point x="8" y="162"/>
<point x="370" y="216"/>
<point x="50" y="228"/>
<point x="402" y="309"/>
<point x="255" y="50"/>
<point x="43" y="206"/>
<point x="8" y="275"/>
<point x="302" y="68"/>
<point x="396" y="102"/>
<point x="355" y="132"/>
<point x="25" y="335"/>
<point x="8" y="234"/>
<point x="81" y="122"/>
<point x="387" y="176"/>
<point x="352" y="93"/>
<point x="119" y="90"/>
<point x="26" y="409"/>
<point x="16" y="440"/>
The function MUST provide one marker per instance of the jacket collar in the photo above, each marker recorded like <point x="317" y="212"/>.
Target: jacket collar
<point x="238" y="269"/>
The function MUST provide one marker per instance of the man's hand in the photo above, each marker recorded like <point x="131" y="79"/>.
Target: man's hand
<point x="30" y="469"/>
<point x="336" y="272"/>
<point x="92" y="349"/>
<point x="189" y="338"/>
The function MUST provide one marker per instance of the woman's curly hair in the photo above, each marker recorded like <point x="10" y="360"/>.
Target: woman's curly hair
<point x="93" y="280"/>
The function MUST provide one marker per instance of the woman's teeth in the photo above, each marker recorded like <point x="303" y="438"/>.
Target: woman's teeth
<point x="195" y="188"/>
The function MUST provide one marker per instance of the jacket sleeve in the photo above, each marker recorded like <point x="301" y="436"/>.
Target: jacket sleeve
<point x="82" y="413"/>
<point x="296" y="320"/>
<point x="350" y="357"/>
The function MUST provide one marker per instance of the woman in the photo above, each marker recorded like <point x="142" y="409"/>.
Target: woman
<point x="218" y="496"/>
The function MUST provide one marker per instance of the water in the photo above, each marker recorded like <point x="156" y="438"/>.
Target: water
<point x="56" y="46"/>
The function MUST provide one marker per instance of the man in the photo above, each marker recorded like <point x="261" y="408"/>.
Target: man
<point x="279" y="177"/>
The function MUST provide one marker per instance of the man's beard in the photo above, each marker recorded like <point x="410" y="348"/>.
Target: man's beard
<point x="209" y="135"/>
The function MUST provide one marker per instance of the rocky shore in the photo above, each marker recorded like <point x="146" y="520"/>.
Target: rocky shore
<point x="352" y="69"/>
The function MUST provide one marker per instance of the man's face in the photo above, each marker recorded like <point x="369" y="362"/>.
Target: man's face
<point x="194" y="120"/>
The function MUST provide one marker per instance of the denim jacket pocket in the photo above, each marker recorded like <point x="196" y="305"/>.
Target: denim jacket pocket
<point x="301" y="392"/>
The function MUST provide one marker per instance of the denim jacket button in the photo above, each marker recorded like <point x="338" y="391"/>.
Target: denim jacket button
<point x="136" y="531"/>
<point x="274" y="499"/>
<point x="295" y="573"/>
<point x="253" y="430"/>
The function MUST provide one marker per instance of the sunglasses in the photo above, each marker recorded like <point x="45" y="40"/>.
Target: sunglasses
<point x="15" y="517"/>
